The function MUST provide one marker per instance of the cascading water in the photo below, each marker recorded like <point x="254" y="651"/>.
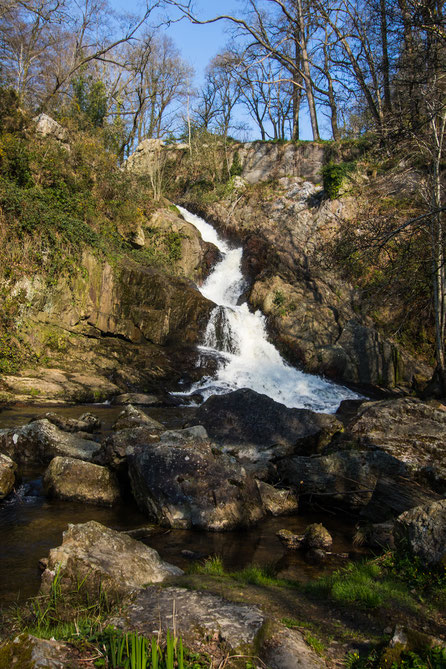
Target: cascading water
<point x="238" y="338"/>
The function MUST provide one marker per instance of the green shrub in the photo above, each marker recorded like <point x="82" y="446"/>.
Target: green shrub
<point x="333" y="176"/>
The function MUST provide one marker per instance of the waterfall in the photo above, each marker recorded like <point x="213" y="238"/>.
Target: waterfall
<point x="238" y="338"/>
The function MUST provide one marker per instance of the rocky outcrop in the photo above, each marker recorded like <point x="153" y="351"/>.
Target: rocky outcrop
<point x="422" y="532"/>
<point x="8" y="470"/>
<point x="78" y="481"/>
<point x="184" y="481"/>
<point x="104" y="560"/>
<point x="371" y="483"/>
<point x="39" y="442"/>
<point x="48" y="127"/>
<point x="263" y="161"/>
<point x="108" y="330"/>
<point x="263" y="425"/>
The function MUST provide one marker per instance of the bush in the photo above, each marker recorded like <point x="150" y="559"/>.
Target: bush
<point x="333" y="176"/>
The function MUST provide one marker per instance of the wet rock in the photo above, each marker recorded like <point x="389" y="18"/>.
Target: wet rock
<point x="422" y="531"/>
<point x="290" y="540"/>
<point x="183" y="481"/>
<point x="39" y="442"/>
<point x="316" y="536"/>
<point x="277" y="502"/>
<point x="86" y="423"/>
<point x="247" y="417"/>
<point x="131" y="417"/>
<point x="287" y="649"/>
<point x="195" y="612"/>
<point x="106" y="559"/>
<point x="29" y="652"/>
<point x="78" y="481"/>
<point x="409" y="430"/>
<point x="8" y="470"/>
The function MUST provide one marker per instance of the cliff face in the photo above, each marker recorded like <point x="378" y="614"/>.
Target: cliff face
<point x="112" y="327"/>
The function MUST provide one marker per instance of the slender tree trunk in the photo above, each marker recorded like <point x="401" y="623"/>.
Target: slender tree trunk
<point x="385" y="57"/>
<point x="307" y="75"/>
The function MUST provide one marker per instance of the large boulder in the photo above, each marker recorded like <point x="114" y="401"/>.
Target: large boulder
<point x="78" y="481"/>
<point x="411" y="431"/>
<point x="8" y="470"/>
<point x="184" y="481"/>
<point x="374" y="484"/>
<point x="422" y="531"/>
<point x="104" y="560"/>
<point x="39" y="442"/>
<point x="30" y="652"/>
<point x="249" y="418"/>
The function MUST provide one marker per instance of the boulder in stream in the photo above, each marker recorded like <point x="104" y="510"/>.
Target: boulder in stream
<point x="8" y="470"/>
<point x="78" y="481"/>
<point x="132" y="417"/>
<point x="185" y="481"/>
<point x="105" y="560"/>
<point x="247" y="417"/>
<point x="40" y="441"/>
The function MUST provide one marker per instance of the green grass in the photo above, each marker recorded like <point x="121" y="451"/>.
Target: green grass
<point x="365" y="584"/>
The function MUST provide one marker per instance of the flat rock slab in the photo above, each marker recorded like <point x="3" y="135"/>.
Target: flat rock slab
<point x="194" y="611"/>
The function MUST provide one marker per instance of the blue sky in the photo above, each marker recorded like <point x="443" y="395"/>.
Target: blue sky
<point x="198" y="44"/>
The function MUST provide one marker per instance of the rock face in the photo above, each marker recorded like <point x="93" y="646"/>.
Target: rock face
<point x="106" y="559"/>
<point x="47" y="126"/>
<point x="109" y="330"/>
<point x="422" y="531"/>
<point x="116" y="448"/>
<point x="39" y="442"/>
<point x="8" y="470"/>
<point x="246" y="417"/>
<point x="235" y="624"/>
<point x="263" y="161"/>
<point x="77" y="481"/>
<point x="183" y="481"/>
<point x="287" y="649"/>
<point x="277" y="502"/>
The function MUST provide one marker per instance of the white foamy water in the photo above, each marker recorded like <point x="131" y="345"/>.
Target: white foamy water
<point x="239" y="339"/>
